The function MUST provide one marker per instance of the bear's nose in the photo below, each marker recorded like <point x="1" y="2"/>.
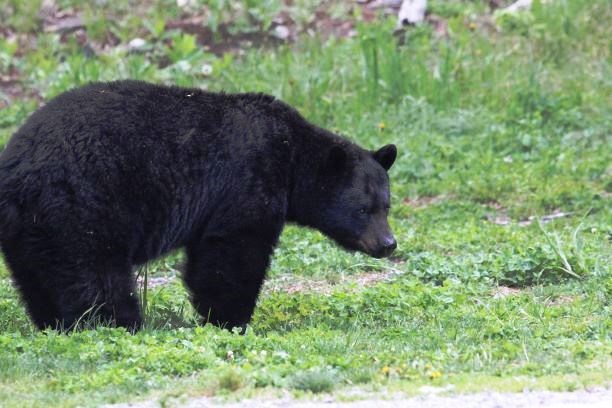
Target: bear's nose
<point x="388" y="245"/>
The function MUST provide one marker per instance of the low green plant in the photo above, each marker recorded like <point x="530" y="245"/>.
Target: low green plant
<point x="315" y="380"/>
<point x="231" y="380"/>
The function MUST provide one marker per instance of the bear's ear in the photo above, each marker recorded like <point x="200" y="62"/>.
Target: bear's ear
<point x="386" y="156"/>
<point x="336" y="158"/>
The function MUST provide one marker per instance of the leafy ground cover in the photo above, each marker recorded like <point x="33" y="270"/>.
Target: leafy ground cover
<point x="501" y="201"/>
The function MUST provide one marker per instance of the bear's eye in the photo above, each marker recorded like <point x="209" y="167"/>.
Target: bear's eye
<point x="363" y="211"/>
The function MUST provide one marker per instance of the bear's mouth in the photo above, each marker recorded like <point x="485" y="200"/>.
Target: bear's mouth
<point x="360" y="246"/>
<point x="377" y="251"/>
<point x="350" y="245"/>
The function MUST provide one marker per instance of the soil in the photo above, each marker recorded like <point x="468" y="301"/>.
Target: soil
<point x="595" y="398"/>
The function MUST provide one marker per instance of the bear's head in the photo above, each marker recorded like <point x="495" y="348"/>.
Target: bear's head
<point x="353" y="198"/>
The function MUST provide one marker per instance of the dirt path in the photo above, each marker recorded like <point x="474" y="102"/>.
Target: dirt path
<point x="598" y="398"/>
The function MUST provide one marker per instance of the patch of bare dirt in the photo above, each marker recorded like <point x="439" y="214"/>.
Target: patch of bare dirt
<point x="223" y="40"/>
<point x="296" y="284"/>
<point x="425" y="201"/>
<point x="154" y="282"/>
<point x="11" y="87"/>
<point x="501" y="292"/>
<point x="560" y="300"/>
<point x="502" y="218"/>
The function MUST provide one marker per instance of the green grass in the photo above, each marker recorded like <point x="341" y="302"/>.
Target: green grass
<point x="491" y="126"/>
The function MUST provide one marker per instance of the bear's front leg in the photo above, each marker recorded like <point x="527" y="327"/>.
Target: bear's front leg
<point x="224" y="274"/>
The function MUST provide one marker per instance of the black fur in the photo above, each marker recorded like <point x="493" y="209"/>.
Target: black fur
<point x="112" y="175"/>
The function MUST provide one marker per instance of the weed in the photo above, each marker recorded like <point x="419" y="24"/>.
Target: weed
<point x="315" y="380"/>
<point x="144" y="292"/>
<point x="362" y="375"/>
<point x="557" y="246"/>
<point x="231" y="380"/>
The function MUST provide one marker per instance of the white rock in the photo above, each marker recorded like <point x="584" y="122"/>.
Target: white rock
<point x="136" y="44"/>
<point x="517" y="6"/>
<point x="411" y="12"/>
<point x="185" y="3"/>
<point x="281" y="32"/>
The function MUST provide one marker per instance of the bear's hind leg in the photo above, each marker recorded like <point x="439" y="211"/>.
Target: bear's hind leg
<point x="103" y="294"/>
<point x="39" y="303"/>
<point x="224" y="274"/>
<point x="63" y="289"/>
<point x="37" y="297"/>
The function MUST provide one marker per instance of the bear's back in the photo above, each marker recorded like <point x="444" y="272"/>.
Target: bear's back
<point x="143" y="158"/>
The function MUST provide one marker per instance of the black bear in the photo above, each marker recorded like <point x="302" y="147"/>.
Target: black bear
<point x="112" y="175"/>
